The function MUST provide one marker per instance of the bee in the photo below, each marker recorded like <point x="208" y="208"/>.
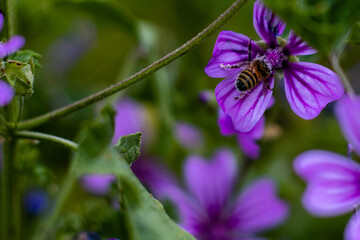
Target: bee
<point x="256" y="70"/>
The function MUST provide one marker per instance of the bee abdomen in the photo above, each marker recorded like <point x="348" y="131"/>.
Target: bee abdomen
<point x="246" y="80"/>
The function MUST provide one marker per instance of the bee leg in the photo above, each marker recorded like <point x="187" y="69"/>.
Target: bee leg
<point x="268" y="86"/>
<point x="249" y="52"/>
<point x="241" y="95"/>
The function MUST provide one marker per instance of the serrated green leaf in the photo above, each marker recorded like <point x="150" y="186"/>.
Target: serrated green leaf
<point x="26" y="56"/>
<point x="321" y="23"/>
<point x="129" y="147"/>
<point x="19" y="75"/>
<point x="145" y="216"/>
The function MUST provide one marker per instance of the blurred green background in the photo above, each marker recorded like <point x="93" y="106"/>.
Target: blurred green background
<point x="89" y="45"/>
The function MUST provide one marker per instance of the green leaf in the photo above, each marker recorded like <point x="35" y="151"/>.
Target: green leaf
<point x="19" y="75"/>
<point x="321" y="23"/>
<point x="129" y="147"/>
<point x="27" y="56"/>
<point x="145" y="216"/>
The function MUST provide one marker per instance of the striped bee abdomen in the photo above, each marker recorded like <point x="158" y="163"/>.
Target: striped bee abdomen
<point x="246" y="80"/>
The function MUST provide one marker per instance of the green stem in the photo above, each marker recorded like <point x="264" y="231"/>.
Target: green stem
<point x="48" y="138"/>
<point x="10" y="226"/>
<point x="46" y="229"/>
<point x="3" y="121"/>
<point x="335" y="63"/>
<point x="220" y="21"/>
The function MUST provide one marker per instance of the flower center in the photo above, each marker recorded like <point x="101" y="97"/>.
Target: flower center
<point x="275" y="57"/>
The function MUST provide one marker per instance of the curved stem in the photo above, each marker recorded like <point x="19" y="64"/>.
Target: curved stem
<point x="48" y="138"/>
<point x="220" y="21"/>
<point x="338" y="69"/>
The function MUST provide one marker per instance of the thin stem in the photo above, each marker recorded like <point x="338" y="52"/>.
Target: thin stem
<point x="46" y="227"/>
<point x="10" y="227"/>
<point x="48" y="138"/>
<point x="335" y="63"/>
<point x="3" y="121"/>
<point x="220" y="21"/>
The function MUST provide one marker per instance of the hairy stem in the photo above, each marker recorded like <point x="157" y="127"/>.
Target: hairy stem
<point x="220" y="21"/>
<point x="48" y="138"/>
<point x="335" y="63"/>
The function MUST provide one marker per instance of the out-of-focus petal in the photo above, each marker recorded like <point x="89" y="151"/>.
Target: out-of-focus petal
<point x="130" y="118"/>
<point x="1" y="21"/>
<point x="309" y="87"/>
<point x="155" y="176"/>
<point x="348" y="114"/>
<point x="258" y="208"/>
<point x="267" y="25"/>
<point x="11" y="46"/>
<point x="225" y="123"/>
<point x="333" y="182"/>
<point x="189" y="136"/>
<point x="211" y="182"/>
<point x="352" y="231"/>
<point x="246" y="111"/>
<point x="98" y="184"/>
<point x="296" y="46"/>
<point x="6" y="93"/>
<point x="247" y="140"/>
<point x="230" y="48"/>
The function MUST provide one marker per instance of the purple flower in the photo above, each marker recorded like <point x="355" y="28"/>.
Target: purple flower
<point x="333" y="181"/>
<point x="210" y="212"/>
<point x="36" y="201"/>
<point x="6" y="93"/>
<point x="189" y="136"/>
<point x="98" y="184"/>
<point x="308" y="86"/>
<point x="130" y="118"/>
<point x="246" y="140"/>
<point x="12" y="45"/>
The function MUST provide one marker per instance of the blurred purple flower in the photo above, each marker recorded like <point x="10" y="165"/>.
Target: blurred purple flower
<point x="189" y="136"/>
<point x="36" y="201"/>
<point x="87" y="235"/>
<point x="130" y="118"/>
<point x="6" y="93"/>
<point x="98" y="184"/>
<point x="205" y="96"/>
<point x="208" y="210"/>
<point x="12" y="45"/>
<point x="308" y="86"/>
<point x="246" y="140"/>
<point x="333" y="181"/>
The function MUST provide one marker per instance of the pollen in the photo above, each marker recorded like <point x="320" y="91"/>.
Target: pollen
<point x="275" y="57"/>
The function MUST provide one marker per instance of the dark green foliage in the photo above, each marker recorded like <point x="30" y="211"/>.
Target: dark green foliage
<point x="321" y="23"/>
<point x="129" y="147"/>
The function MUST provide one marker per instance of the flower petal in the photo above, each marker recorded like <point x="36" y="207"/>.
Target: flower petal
<point x="247" y="140"/>
<point x="211" y="182"/>
<point x="189" y="136"/>
<point x="130" y="118"/>
<point x="352" y="231"/>
<point x="11" y="46"/>
<point x="225" y="123"/>
<point x="333" y="182"/>
<point x="267" y="25"/>
<point x="348" y="114"/>
<point x="1" y="21"/>
<point x="246" y="111"/>
<point x="258" y="208"/>
<point x="6" y="93"/>
<point x="98" y="184"/>
<point x="296" y="46"/>
<point x="230" y="48"/>
<point x="309" y="87"/>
